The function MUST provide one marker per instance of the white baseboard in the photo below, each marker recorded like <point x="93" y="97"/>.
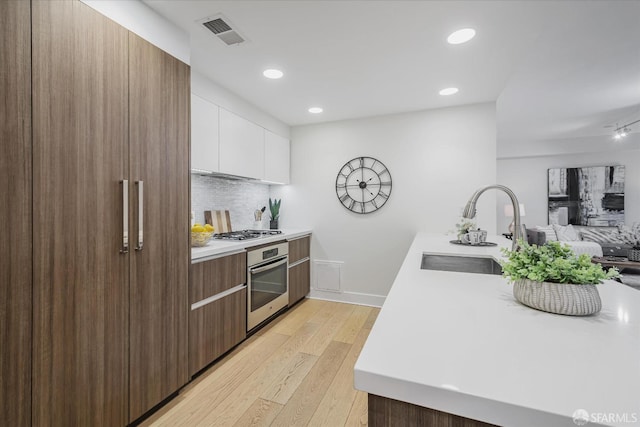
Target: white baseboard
<point x="349" y="297"/>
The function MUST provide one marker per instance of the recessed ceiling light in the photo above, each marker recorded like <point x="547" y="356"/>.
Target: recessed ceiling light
<point x="315" y="110"/>
<point x="272" y="73"/>
<point x="448" y="91"/>
<point x="461" y="36"/>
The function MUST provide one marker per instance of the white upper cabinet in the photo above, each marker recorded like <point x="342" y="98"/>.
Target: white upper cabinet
<point x="241" y="146"/>
<point x="276" y="158"/>
<point x="204" y="135"/>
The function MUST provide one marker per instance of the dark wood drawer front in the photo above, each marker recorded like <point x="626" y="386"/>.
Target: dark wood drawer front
<point x="299" y="282"/>
<point x="384" y="412"/>
<point x="209" y="278"/>
<point x="215" y="328"/>
<point x="299" y="249"/>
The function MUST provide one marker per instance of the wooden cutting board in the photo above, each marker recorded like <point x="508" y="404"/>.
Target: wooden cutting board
<point x="221" y="220"/>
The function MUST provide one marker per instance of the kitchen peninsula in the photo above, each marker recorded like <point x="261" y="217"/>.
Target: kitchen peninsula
<point x="459" y="343"/>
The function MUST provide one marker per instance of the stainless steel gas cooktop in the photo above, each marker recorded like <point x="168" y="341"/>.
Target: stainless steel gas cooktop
<point x="246" y="234"/>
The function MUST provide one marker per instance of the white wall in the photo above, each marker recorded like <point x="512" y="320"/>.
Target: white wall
<point x="437" y="159"/>
<point x="527" y="177"/>
<point x="140" y="19"/>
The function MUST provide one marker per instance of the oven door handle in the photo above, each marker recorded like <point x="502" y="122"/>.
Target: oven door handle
<point x="269" y="266"/>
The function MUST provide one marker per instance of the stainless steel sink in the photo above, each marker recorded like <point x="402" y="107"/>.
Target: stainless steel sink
<point x="462" y="264"/>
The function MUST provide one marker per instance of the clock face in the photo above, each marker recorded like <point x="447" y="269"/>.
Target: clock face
<point x="363" y="185"/>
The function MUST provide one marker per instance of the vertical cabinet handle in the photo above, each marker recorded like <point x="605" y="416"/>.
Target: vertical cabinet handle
<point x="140" y="185"/>
<point x="125" y="216"/>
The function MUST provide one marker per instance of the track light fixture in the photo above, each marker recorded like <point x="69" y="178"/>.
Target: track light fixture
<point x="623" y="131"/>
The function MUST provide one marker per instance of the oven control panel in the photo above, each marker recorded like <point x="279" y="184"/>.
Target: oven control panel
<point x="270" y="253"/>
<point x="259" y="256"/>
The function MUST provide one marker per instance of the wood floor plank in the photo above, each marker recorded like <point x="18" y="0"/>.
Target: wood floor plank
<point x="290" y="378"/>
<point x="368" y="324"/>
<point x="234" y="357"/>
<point x="239" y="400"/>
<point x="336" y="404"/>
<point x="293" y="372"/>
<point x="359" y="414"/>
<point x="302" y="405"/>
<point x="354" y="323"/>
<point x="215" y="388"/>
<point x="326" y="311"/>
<point x="328" y="330"/>
<point x="261" y="413"/>
<point x="297" y="317"/>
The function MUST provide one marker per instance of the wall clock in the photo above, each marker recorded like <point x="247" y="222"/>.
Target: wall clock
<point x="363" y="185"/>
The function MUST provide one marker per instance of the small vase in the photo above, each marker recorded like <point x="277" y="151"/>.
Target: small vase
<point x="558" y="298"/>
<point x="273" y="224"/>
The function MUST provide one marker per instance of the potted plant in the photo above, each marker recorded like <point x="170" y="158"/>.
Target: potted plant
<point x="274" y="209"/>
<point x="552" y="278"/>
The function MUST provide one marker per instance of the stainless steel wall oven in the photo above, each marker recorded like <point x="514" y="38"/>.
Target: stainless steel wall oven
<point x="267" y="282"/>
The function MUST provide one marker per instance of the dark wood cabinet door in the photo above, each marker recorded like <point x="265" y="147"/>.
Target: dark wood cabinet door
<point x="15" y="213"/>
<point x="80" y="278"/>
<point x="215" y="328"/>
<point x="299" y="281"/>
<point x="159" y="101"/>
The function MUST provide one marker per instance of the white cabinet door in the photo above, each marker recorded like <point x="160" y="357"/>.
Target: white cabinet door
<point x="276" y="158"/>
<point x="241" y="146"/>
<point x="204" y="135"/>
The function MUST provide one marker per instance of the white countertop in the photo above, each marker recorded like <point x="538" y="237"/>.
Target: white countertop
<point x="460" y="343"/>
<point x="218" y="247"/>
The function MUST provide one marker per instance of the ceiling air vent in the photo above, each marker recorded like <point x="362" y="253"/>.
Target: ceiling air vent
<point x="223" y="31"/>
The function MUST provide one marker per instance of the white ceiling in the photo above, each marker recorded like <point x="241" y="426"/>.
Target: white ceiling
<point x="558" y="69"/>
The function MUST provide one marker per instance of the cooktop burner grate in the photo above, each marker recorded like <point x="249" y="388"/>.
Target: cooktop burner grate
<point x="246" y="234"/>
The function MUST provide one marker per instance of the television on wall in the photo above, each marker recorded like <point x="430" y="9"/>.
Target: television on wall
<point x="591" y="196"/>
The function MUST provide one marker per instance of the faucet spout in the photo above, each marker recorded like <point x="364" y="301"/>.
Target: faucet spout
<point x="470" y="211"/>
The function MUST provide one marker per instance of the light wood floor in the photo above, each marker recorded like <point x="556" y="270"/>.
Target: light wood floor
<point x="297" y="371"/>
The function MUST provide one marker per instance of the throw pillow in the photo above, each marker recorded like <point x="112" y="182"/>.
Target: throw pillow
<point x="566" y="233"/>
<point x="629" y="235"/>
<point x="550" y="233"/>
<point x="600" y="235"/>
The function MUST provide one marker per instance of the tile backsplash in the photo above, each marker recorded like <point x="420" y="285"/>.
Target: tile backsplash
<point x="241" y="198"/>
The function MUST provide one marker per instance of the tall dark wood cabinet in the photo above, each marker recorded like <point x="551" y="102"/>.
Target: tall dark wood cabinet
<point x="80" y="157"/>
<point x="110" y="142"/>
<point x="15" y="213"/>
<point x="159" y="102"/>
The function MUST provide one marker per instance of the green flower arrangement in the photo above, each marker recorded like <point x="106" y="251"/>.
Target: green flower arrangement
<point x="463" y="226"/>
<point x="553" y="262"/>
